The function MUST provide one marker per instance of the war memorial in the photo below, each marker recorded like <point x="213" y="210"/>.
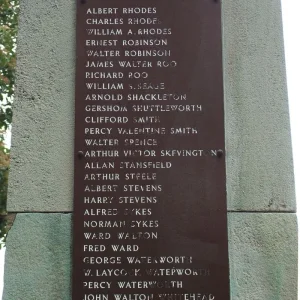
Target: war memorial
<point x="151" y="153"/>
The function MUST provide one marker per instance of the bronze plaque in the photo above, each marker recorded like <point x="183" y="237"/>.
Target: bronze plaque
<point x="150" y="216"/>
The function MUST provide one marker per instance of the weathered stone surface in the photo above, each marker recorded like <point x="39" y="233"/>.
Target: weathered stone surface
<point x="38" y="258"/>
<point x="42" y="142"/>
<point x="259" y="157"/>
<point x="258" y="143"/>
<point x="263" y="256"/>
<point x="262" y="247"/>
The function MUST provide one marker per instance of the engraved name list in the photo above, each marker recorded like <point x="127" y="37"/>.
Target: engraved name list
<point x="149" y="185"/>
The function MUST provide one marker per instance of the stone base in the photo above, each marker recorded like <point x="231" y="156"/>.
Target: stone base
<point x="262" y="248"/>
<point x="38" y="258"/>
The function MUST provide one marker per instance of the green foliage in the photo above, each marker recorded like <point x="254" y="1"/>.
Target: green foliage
<point x="9" y="10"/>
<point x="4" y="170"/>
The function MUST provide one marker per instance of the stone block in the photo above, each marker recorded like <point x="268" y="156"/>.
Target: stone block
<point x="263" y="256"/>
<point x="43" y="122"/>
<point x="258" y="140"/>
<point x="38" y="258"/>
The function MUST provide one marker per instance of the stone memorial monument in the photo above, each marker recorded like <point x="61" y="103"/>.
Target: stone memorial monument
<point x="151" y="153"/>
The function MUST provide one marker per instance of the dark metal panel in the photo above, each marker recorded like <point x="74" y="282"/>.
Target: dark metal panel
<point x="149" y="146"/>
